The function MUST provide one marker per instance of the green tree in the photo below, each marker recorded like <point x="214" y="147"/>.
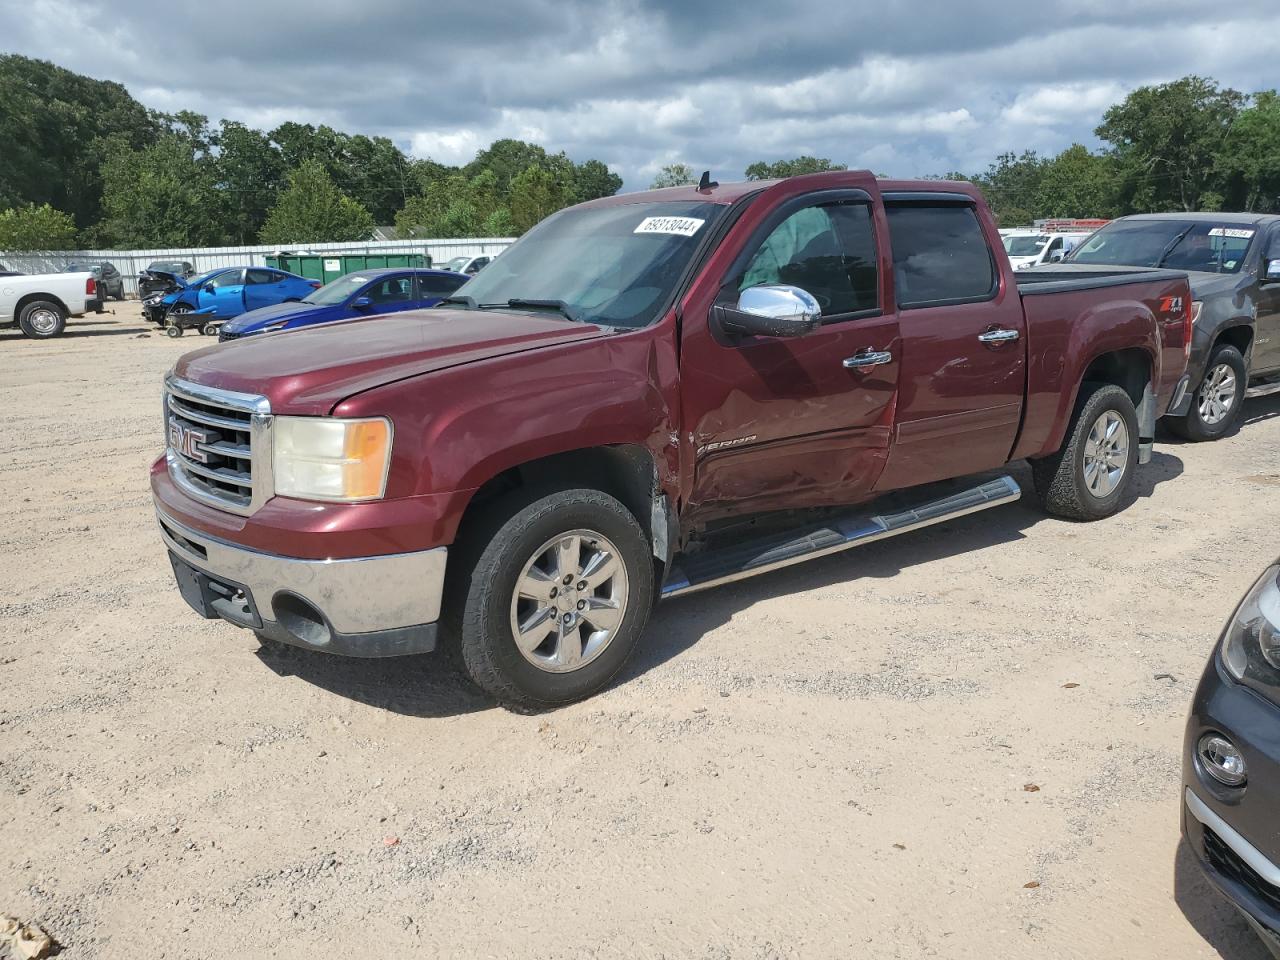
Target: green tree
<point x="36" y="228"/>
<point x="1011" y="186"/>
<point x="535" y="195"/>
<point x="592" y="179"/>
<point x="674" y="175"/>
<point x="780" y="169"/>
<point x="1166" y="140"/>
<point x="249" y="173"/>
<point x="1249" y="161"/>
<point x="162" y="195"/>
<point x="1077" y="183"/>
<point x="312" y="209"/>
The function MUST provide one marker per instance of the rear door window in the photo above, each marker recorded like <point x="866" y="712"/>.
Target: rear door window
<point x="262" y="276"/>
<point x="432" y="286"/>
<point x="940" y="255"/>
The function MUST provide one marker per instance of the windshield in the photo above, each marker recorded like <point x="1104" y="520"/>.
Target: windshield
<point x="1178" y="244"/>
<point x="337" y="291"/>
<point x="168" y="266"/>
<point x="614" y="265"/>
<point x="1024" y="246"/>
<point x="457" y="263"/>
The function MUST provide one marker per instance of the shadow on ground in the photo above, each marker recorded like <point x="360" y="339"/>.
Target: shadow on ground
<point x="1210" y="913"/>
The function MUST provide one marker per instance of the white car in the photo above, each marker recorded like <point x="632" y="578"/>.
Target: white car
<point x="41" y="304"/>
<point x="1031" y="248"/>
<point x="467" y="265"/>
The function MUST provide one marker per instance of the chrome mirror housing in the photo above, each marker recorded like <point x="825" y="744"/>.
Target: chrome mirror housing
<point x="772" y="310"/>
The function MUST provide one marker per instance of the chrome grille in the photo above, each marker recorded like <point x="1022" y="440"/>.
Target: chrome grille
<point x="218" y="445"/>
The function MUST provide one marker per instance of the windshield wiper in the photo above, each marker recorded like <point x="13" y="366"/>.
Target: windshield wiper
<point x="565" y="310"/>
<point x="461" y="300"/>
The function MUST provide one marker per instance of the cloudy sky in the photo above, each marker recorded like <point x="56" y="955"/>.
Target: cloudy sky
<point x="905" y="87"/>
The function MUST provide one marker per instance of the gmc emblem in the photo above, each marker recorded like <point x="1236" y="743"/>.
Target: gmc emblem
<point x="189" y="441"/>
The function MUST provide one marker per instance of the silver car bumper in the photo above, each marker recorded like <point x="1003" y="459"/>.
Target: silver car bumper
<point x="363" y="607"/>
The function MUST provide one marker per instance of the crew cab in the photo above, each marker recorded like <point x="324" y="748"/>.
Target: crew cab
<point x="645" y="396"/>
<point x="1233" y="261"/>
<point x="40" y="304"/>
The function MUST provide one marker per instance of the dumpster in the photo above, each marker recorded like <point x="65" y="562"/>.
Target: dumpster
<point x="330" y="266"/>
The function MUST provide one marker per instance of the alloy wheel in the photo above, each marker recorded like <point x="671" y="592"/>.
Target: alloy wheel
<point x="1217" y="395"/>
<point x="1106" y="454"/>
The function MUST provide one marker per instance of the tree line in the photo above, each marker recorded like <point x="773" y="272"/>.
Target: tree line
<point x="86" y="165"/>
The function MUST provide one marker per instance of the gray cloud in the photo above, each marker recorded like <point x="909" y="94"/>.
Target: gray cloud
<point x="908" y="87"/>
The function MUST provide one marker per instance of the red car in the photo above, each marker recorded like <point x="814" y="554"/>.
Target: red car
<point x="586" y="425"/>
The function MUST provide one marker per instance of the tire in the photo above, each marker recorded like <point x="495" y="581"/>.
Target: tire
<point x="1064" y="484"/>
<point x="1217" y="401"/>
<point x="209" y="329"/>
<point x="173" y="330"/>
<point x="522" y="543"/>
<point x="42" y="319"/>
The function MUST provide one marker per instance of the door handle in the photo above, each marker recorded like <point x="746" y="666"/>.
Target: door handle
<point x="999" y="335"/>
<point x="868" y="358"/>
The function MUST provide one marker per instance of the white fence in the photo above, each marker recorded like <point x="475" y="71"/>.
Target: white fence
<point x="129" y="262"/>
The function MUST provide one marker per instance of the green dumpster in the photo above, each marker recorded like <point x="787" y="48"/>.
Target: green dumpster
<point x="330" y="266"/>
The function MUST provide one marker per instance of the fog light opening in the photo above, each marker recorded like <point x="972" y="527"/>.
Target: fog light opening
<point x="301" y="619"/>
<point x="1222" y="760"/>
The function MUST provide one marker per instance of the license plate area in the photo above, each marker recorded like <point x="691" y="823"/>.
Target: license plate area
<point x="213" y="597"/>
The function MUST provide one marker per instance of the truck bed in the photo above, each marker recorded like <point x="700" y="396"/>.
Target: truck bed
<point x="1060" y="278"/>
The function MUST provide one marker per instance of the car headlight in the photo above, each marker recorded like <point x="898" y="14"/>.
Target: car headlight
<point x="1251" y="644"/>
<point x="325" y="458"/>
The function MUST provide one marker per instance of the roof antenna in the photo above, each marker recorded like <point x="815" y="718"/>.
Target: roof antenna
<point x="706" y="183"/>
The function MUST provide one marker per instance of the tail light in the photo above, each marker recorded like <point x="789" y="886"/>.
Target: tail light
<point x="91" y="287"/>
<point x="316" y="284"/>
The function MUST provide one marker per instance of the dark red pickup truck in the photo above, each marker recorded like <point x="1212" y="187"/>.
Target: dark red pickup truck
<point x="647" y="395"/>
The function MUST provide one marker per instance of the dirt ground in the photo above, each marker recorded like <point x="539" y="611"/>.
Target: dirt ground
<point x="830" y="761"/>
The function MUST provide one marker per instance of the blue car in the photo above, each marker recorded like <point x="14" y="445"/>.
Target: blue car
<point x="364" y="293"/>
<point x="227" y="292"/>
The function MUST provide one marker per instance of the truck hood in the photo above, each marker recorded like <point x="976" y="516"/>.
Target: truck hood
<point x="310" y="371"/>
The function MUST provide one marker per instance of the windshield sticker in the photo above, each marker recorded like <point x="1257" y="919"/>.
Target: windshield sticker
<point x="1233" y="233"/>
<point x="672" y="226"/>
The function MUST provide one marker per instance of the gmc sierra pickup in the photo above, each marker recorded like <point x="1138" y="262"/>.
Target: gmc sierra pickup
<point x="588" y="423"/>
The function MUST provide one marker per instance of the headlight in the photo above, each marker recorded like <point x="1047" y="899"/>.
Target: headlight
<point x="324" y="458"/>
<point x="1251" y="644"/>
<point x="1196" y="306"/>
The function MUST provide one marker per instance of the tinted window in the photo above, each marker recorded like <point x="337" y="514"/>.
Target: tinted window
<point x="390" y="290"/>
<point x="262" y="276"/>
<point x="1178" y="244"/>
<point x="939" y="254"/>
<point x="828" y="251"/>
<point x="439" y="286"/>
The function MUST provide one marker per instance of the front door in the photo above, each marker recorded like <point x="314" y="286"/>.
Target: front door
<point x="963" y="367"/>
<point x="796" y="422"/>
<point x="390" y="294"/>
<point x="1266" y="346"/>
<point x="225" y="293"/>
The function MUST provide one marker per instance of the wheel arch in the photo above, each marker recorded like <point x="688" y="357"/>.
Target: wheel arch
<point x="29" y="298"/>
<point x="1238" y="333"/>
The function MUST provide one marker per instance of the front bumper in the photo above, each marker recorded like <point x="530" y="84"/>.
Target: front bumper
<point x="1233" y="831"/>
<point x="379" y="606"/>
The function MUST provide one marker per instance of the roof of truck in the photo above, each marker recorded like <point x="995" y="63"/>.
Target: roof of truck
<point x="1253" y="218"/>
<point x="727" y="193"/>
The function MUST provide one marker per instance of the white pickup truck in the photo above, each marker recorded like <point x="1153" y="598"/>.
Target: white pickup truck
<point x="40" y="304"/>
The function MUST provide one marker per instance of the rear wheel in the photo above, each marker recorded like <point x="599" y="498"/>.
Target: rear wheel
<point x="1218" y="402"/>
<point x="42" y="319"/>
<point x="557" y="592"/>
<point x="1089" y="477"/>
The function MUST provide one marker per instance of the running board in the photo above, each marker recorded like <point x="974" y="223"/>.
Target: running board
<point x="739" y="561"/>
<point x="1262" y="390"/>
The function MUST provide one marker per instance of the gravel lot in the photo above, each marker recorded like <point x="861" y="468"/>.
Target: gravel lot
<point x="830" y="761"/>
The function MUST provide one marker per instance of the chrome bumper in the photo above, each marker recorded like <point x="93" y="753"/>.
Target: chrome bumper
<point x="366" y="606"/>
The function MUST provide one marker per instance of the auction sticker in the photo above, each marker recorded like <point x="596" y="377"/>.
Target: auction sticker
<point x="672" y="226"/>
<point x="1231" y="232"/>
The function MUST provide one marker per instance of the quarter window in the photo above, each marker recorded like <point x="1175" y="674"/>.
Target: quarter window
<point x="829" y="251"/>
<point x="939" y="255"/>
<point x="261" y="276"/>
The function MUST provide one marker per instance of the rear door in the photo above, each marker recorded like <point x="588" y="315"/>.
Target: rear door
<point x="786" y="422"/>
<point x="963" y="352"/>
<point x="264" y="287"/>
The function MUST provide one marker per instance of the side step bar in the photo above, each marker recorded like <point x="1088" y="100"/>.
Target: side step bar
<point x="737" y="562"/>
<point x="1262" y="390"/>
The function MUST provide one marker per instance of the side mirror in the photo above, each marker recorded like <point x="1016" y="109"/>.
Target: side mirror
<point x="1273" y="270"/>
<point x="771" y="310"/>
<point x="1055" y="257"/>
<point x="361" y="303"/>
<point x="209" y="288"/>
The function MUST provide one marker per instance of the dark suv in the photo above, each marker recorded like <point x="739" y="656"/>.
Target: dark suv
<point x="1233" y="260"/>
<point x="110" y="282"/>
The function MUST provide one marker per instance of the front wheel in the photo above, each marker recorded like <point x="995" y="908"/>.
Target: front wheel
<point x="1089" y="477"/>
<point x="1218" y="401"/>
<point x="554" y="597"/>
